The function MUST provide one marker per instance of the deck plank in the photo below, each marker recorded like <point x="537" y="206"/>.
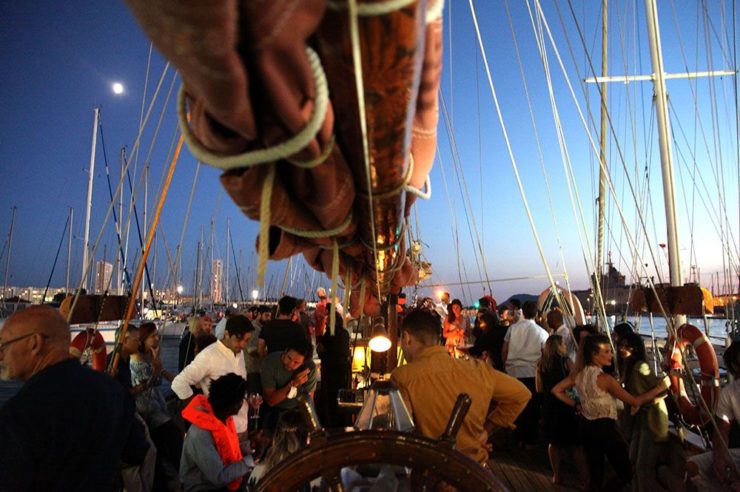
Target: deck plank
<point x="527" y="470"/>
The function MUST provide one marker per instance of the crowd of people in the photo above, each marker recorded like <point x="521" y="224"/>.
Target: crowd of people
<point x="235" y="415"/>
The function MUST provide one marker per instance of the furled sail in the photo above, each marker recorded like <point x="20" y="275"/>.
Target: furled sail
<point x="271" y="96"/>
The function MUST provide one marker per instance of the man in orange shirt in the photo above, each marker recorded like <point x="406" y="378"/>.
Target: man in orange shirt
<point x="432" y="380"/>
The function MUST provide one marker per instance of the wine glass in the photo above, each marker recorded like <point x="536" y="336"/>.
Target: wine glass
<point x="255" y="401"/>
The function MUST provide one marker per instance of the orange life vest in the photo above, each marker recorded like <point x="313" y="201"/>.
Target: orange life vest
<point x="200" y="413"/>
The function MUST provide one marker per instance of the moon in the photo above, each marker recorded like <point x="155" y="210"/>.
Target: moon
<point x="117" y="88"/>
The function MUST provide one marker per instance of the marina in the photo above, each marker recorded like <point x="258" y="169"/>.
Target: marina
<point x="276" y="167"/>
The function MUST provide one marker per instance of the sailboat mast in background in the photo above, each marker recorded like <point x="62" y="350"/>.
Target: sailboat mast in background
<point x="91" y="174"/>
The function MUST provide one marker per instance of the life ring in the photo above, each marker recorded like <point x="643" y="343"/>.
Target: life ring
<point x="93" y="341"/>
<point x="691" y="335"/>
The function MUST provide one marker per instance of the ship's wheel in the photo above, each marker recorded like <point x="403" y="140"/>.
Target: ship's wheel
<point x="433" y="464"/>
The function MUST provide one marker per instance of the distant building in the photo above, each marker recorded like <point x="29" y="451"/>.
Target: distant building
<point x="103" y="274"/>
<point x="616" y="293"/>
<point x="217" y="274"/>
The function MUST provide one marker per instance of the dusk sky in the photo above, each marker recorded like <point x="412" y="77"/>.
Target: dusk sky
<point x="60" y="60"/>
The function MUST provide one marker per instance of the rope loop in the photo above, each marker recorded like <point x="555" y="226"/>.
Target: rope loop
<point x="263" y="156"/>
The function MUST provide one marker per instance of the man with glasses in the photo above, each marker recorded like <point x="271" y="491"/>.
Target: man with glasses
<point x="69" y="426"/>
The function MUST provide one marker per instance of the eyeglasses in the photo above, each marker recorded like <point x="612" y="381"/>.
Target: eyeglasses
<point x="4" y="345"/>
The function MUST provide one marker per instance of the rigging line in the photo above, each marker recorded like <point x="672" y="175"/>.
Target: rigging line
<point x="496" y="280"/>
<point x="359" y="87"/>
<point x="138" y="230"/>
<point x="145" y="253"/>
<point x="462" y="183"/>
<point x="115" y="216"/>
<point x="236" y="264"/>
<point x="137" y="141"/>
<point x="583" y="121"/>
<point x="457" y="170"/>
<point x="53" y="267"/>
<point x="713" y="30"/>
<point x="451" y="207"/>
<point x="692" y="87"/>
<point x="510" y="151"/>
<point x="480" y="146"/>
<point x="700" y="180"/>
<point x="540" y="154"/>
<point x="737" y="115"/>
<point x="567" y="167"/>
<point x="590" y="138"/>
<point x="157" y="129"/>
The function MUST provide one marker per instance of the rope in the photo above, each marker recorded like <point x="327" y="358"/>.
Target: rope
<point x="359" y="87"/>
<point x="541" y="158"/>
<point x="265" y="213"/>
<point x="372" y="9"/>
<point x="404" y="186"/>
<point x="318" y="160"/>
<point x="575" y="201"/>
<point x="508" y="147"/>
<point x="262" y="156"/>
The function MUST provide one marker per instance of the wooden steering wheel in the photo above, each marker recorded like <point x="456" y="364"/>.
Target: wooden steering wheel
<point x="434" y="463"/>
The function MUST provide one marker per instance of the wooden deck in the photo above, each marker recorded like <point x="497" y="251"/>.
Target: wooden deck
<point x="529" y="469"/>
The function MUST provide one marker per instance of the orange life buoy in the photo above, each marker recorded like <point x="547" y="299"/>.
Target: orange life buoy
<point x="93" y="341"/>
<point x="691" y="335"/>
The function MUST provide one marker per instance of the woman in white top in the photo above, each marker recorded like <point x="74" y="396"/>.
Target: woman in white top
<point x="597" y="405"/>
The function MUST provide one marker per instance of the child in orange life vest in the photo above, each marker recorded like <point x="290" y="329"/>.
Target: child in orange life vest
<point x="212" y="458"/>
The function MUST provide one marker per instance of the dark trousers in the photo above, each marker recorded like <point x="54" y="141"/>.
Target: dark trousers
<point x="528" y="423"/>
<point x="168" y="440"/>
<point x="601" y="439"/>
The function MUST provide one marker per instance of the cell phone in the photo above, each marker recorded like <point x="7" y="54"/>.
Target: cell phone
<point x="300" y="369"/>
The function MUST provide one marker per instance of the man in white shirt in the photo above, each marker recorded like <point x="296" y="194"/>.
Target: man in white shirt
<point x="719" y="469"/>
<point x="221" y="325"/>
<point x="521" y="351"/>
<point x="223" y="357"/>
<point x="555" y="323"/>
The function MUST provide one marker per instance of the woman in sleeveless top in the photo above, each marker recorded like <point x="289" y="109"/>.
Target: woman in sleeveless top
<point x="560" y="420"/>
<point x="597" y="392"/>
<point x="456" y="327"/>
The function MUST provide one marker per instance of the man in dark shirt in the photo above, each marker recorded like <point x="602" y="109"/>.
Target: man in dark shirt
<point x="278" y="333"/>
<point x="68" y="427"/>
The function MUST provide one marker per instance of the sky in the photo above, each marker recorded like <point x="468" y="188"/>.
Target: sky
<point x="60" y="60"/>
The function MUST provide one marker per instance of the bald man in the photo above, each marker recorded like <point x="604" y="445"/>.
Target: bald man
<point x="68" y="427"/>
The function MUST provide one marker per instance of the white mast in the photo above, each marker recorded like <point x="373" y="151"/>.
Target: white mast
<point x="664" y="139"/>
<point x="121" y="260"/>
<point x="226" y="277"/>
<point x="7" y="259"/>
<point x="91" y="172"/>
<point x="69" y="247"/>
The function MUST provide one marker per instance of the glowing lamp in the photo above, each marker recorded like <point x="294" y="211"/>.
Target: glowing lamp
<point x="379" y="341"/>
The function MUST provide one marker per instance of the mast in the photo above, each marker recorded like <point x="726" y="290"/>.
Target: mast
<point x="664" y="132"/>
<point x="602" y="157"/>
<point x="121" y="259"/>
<point x="146" y="198"/>
<point x="226" y="277"/>
<point x="69" y="247"/>
<point x="7" y="259"/>
<point x="91" y="174"/>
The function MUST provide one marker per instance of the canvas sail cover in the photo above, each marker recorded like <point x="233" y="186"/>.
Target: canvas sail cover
<point x="271" y="96"/>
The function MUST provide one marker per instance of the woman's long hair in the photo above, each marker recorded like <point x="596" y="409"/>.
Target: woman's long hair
<point x="634" y="342"/>
<point x="551" y="353"/>
<point x="450" y="313"/>
<point x="290" y="437"/>
<point x="588" y="348"/>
